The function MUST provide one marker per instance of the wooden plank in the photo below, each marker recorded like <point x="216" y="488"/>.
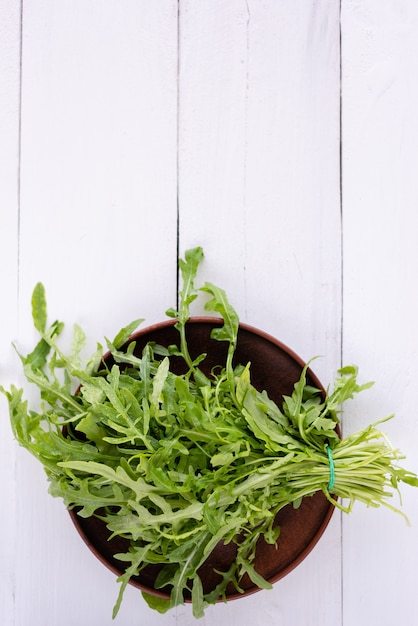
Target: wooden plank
<point x="259" y="190"/>
<point x="9" y="207"/>
<point x="380" y="134"/>
<point x="259" y="144"/>
<point x="99" y="229"/>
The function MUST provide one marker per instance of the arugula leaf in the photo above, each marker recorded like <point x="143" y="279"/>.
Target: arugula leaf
<point x="229" y="330"/>
<point x="188" y="268"/>
<point x="198" y="603"/>
<point x="162" y="605"/>
<point x="220" y="304"/>
<point x="345" y="387"/>
<point x="124" y="334"/>
<point x="39" y="312"/>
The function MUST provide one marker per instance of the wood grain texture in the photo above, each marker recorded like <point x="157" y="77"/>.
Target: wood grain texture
<point x="259" y="162"/>
<point x="99" y="156"/>
<point x="380" y="138"/>
<point x="9" y="203"/>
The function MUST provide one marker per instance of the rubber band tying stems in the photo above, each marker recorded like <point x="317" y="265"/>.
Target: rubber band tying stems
<point x="331" y="469"/>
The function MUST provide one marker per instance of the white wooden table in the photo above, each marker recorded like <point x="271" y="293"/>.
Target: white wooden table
<point x="281" y="135"/>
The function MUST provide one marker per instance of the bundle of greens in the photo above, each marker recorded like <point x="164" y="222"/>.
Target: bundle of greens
<point x="178" y="463"/>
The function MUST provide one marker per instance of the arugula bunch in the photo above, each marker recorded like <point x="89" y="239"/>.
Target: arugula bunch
<point x="178" y="463"/>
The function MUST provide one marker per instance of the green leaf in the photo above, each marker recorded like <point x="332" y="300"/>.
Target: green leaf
<point x="159" y="383"/>
<point x="198" y="605"/>
<point x="124" y="333"/>
<point x="94" y="432"/>
<point x="188" y="268"/>
<point x="39" y="312"/>
<point x="38" y="357"/>
<point x="78" y="343"/>
<point x="256" y="414"/>
<point x="223" y="458"/>
<point x="161" y="605"/>
<point x="408" y="477"/>
<point x="118" y="475"/>
<point x="220" y="304"/>
<point x="345" y="387"/>
<point x="254" y="576"/>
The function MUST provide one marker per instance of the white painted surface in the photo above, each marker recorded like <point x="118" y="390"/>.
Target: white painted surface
<point x="9" y="185"/>
<point x="380" y="193"/>
<point x="231" y="110"/>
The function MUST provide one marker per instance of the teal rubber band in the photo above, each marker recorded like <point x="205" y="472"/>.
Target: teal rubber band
<point x="331" y="469"/>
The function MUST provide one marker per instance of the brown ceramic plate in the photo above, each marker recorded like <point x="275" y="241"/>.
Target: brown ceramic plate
<point x="275" y="368"/>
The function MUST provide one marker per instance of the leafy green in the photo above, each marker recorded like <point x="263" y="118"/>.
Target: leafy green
<point x="39" y="308"/>
<point x="162" y="605"/>
<point x="179" y="463"/>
